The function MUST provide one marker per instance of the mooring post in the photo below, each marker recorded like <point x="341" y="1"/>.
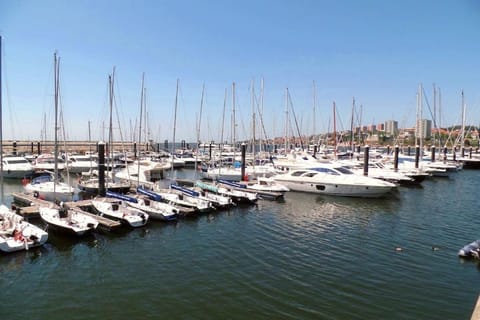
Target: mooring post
<point x="433" y="153"/>
<point x="395" y="158"/>
<point x="14" y="151"/>
<point x="366" y="155"/>
<point x="101" y="169"/>
<point x="244" y="151"/>
<point x="454" y="153"/>
<point x="417" y="156"/>
<point x="135" y="150"/>
<point x="39" y="150"/>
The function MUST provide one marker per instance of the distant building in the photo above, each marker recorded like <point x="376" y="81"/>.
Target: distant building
<point x="380" y="127"/>
<point x="423" y="129"/>
<point x="391" y="127"/>
<point x="372" y="128"/>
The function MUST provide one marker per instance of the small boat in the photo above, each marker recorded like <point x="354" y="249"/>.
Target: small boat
<point x="92" y="185"/>
<point x="69" y="221"/>
<point x="44" y="186"/>
<point x="120" y="211"/>
<point x="16" y="234"/>
<point x="185" y="203"/>
<point x="471" y="250"/>
<point x="16" y="167"/>
<point x="201" y="191"/>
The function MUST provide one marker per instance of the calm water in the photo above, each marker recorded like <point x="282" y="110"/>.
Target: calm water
<point x="309" y="257"/>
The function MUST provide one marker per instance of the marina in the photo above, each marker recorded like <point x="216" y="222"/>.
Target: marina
<point x="307" y="256"/>
<point x="188" y="160"/>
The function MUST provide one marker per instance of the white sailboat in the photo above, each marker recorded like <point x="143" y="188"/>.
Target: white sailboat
<point x="120" y="211"/>
<point x="52" y="189"/>
<point x="16" y="234"/>
<point x="68" y="221"/>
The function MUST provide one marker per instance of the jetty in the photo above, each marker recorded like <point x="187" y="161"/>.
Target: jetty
<point x="29" y="208"/>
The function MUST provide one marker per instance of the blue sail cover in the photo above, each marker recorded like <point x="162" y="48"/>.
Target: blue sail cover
<point x="232" y="183"/>
<point x="185" y="190"/>
<point x="119" y="196"/>
<point x="150" y="194"/>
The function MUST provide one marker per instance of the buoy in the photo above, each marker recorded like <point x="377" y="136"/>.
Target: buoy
<point x="398" y="249"/>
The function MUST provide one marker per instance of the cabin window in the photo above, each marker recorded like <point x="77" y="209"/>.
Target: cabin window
<point x="310" y="174"/>
<point x="115" y="206"/>
<point x="320" y="187"/>
<point x="297" y="173"/>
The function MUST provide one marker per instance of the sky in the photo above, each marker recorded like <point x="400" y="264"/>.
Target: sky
<point x="374" y="51"/>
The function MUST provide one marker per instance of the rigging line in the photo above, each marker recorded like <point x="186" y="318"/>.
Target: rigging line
<point x="295" y="119"/>
<point x="260" y="114"/>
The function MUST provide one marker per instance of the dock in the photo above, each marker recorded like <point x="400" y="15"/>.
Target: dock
<point x="29" y="205"/>
<point x="476" y="311"/>
<point x="29" y="208"/>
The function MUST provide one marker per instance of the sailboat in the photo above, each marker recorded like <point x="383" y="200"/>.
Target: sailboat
<point x="49" y="187"/>
<point x="16" y="234"/>
<point x="91" y="185"/>
<point x="71" y="221"/>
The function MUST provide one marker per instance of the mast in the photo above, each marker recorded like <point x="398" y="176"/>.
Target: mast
<point x="253" y="122"/>
<point x="286" y="120"/>
<point x="334" y="132"/>
<point x="174" y="126"/>
<point x="142" y="94"/>
<point x="111" y="79"/>
<point x="221" y="135"/>
<point x="234" y="125"/>
<point x="198" y="128"/>
<point x="314" y="108"/>
<point x="463" y="121"/>
<point x="56" y="74"/>
<point x="261" y="113"/>
<point x="352" y="136"/>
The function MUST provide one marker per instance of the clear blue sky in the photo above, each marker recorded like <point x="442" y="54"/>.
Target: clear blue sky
<point x="374" y="50"/>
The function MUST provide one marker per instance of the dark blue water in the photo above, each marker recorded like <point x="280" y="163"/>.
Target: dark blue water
<point x="309" y="257"/>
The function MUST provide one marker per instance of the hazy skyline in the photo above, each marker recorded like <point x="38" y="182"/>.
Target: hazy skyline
<point x="376" y="51"/>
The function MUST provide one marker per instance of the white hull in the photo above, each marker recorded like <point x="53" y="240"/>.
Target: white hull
<point x="335" y="181"/>
<point x="17" y="234"/>
<point x="121" y="212"/>
<point x="50" y="192"/>
<point x="73" y="222"/>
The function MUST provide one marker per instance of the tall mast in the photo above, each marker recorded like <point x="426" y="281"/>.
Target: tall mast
<point x="142" y="95"/>
<point x="198" y="128"/>
<point x="286" y="120"/>
<point x="111" y="79"/>
<point x="261" y="113"/>
<point x="56" y="74"/>
<point x="174" y="126"/>
<point x="234" y="125"/>
<point x="314" y="108"/>
<point x="253" y="121"/>
<point x="334" y="132"/>
<point x="352" y="135"/>
<point x="463" y="121"/>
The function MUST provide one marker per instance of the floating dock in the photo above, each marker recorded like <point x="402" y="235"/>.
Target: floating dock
<point x="30" y="208"/>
